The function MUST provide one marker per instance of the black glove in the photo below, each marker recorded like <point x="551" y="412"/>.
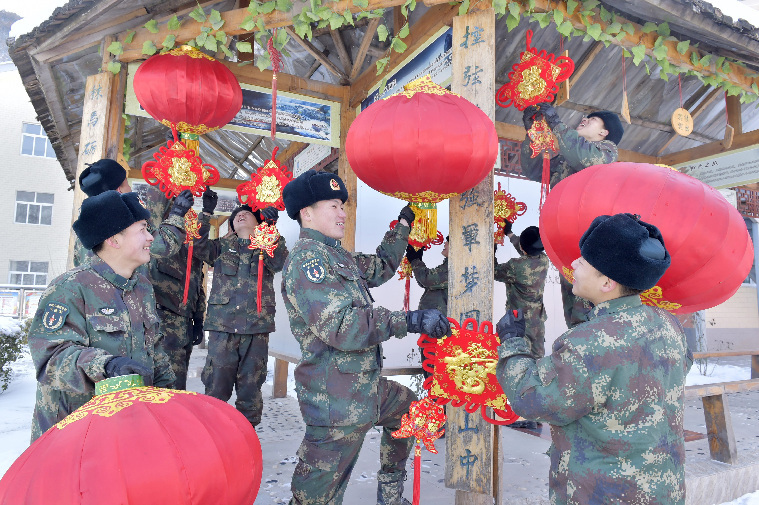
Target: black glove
<point x="119" y="365"/>
<point x="210" y="199"/>
<point x="510" y="326"/>
<point x="528" y="116"/>
<point x="270" y="215"/>
<point x="198" y="335"/>
<point x="431" y="322"/>
<point x="507" y="227"/>
<point x="550" y="114"/>
<point x="412" y="254"/>
<point x="182" y="203"/>
<point x="407" y="214"/>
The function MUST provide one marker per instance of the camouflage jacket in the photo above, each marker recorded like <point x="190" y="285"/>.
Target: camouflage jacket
<point x="435" y="284"/>
<point x="525" y="279"/>
<point x="575" y="153"/>
<point x="326" y="292"/>
<point x="85" y="317"/>
<point x="232" y="302"/>
<point x="613" y="392"/>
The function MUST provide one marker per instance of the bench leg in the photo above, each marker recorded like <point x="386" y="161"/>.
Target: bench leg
<point x="280" y="378"/>
<point x="719" y="429"/>
<point x="755" y="367"/>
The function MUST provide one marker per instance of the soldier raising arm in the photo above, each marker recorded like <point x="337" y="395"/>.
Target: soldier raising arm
<point x="331" y="311"/>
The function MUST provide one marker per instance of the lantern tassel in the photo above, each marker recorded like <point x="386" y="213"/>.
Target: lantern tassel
<point x="406" y="295"/>
<point x="417" y="473"/>
<point x="187" y="273"/>
<point x="276" y="63"/>
<point x="545" y="180"/>
<point x="260" y="283"/>
<point x="424" y="227"/>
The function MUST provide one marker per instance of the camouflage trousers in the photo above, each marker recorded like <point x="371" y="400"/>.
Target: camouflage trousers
<point x="575" y="308"/>
<point x="237" y="361"/>
<point x="536" y="335"/>
<point x="329" y="453"/>
<point x="177" y="343"/>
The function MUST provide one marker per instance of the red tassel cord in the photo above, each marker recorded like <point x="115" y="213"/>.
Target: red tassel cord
<point x="417" y="473"/>
<point x="276" y="64"/>
<point x="191" y="227"/>
<point x="407" y="294"/>
<point x="545" y="180"/>
<point x="187" y="273"/>
<point x="260" y="280"/>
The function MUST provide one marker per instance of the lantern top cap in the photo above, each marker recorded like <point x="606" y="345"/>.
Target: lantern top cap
<point x="422" y="85"/>
<point x="120" y="383"/>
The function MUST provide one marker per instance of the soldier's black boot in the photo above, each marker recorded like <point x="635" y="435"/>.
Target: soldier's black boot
<point x="390" y="488"/>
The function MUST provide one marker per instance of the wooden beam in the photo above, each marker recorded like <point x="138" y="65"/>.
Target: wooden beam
<point x="366" y="42"/>
<point x="220" y="149"/>
<point x="694" y="113"/>
<point x="433" y="20"/>
<point x="398" y="19"/>
<point x="247" y="153"/>
<point x="346" y="173"/>
<point x="734" y="118"/>
<point x="585" y="62"/>
<point x="342" y="53"/>
<point x="316" y="53"/>
<point x="250" y="74"/>
<point x="315" y="65"/>
<point x="719" y="429"/>
<point x="710" y="149"/>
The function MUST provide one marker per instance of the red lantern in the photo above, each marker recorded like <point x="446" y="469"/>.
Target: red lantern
<point x="141" y="445"/>
<point x="707" y="238"/>
<point x="188" y="91"/>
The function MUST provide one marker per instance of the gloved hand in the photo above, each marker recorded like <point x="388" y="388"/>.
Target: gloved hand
<point x="407" y="214"/>
<point x="510" y="325"/>
<point x="431" y="322"/>
<point x="210" y="199"/>
<point x="507" y="227"/>
<point x="550" y="114"/>
<point x="528" y="116"/>
<point x="182" y="203"/>
<point x="270" y="215"/>
<point x="198" y="335"/>
<point x="119" y="365"/>
<point x="412" y="254"/>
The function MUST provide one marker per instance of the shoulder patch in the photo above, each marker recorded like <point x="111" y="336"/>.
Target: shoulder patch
<point x="314" y="270"/>
<point x="54" y="316"/>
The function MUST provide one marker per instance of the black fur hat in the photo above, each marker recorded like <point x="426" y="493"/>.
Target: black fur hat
<point x="256" y="213"/>
<point x="626" y="249"/>
<point x="311" y="187"/>
<point x="530" y="241"/>
<point x="103" y="175"/>
<point x="104" y="215"/>
<point x="611" y="123"/>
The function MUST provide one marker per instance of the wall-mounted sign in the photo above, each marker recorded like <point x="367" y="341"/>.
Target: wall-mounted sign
<point x="9" y="303"/>
<point x="31" y="302"/>
<point x="309" y="157"/>
<point x="726" y="170"/>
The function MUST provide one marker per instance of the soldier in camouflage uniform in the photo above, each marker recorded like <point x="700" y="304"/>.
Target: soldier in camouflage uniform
<point x="593" y="142"/>
<point x="98" y="320"/>
<point x="340" y="331"/>
<point x="181" y="323"/>
<point x="613" y="388"/>
<point x="238" y="342"/>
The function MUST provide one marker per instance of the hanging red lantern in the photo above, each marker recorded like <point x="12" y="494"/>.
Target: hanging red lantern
<point x="422" y="145"/>
<point x="707" y="238"/>
<point x="140" y="445"/>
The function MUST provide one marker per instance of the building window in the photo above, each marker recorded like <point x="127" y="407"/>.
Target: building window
<point x="34" y="142"/>
<point x="34" y="208"/>
<point x="28" y="273"/>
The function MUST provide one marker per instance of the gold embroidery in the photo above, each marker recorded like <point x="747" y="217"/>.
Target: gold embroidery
<point x="268" y="190"/>
<point x="181" y="173"/>
<point x="653" y="297"/>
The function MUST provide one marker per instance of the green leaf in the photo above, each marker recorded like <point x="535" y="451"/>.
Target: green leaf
<point x="382" y="33"/>
<point x="130" y="36"/>
<point x="260" y="25"/>
<point x="558" y="17"/>
<point x="659" y="52"/>
<point x="174" y="23"/>
<point x="363" y="4"/>
<point x="225" y="50"/>
<point x="571" y="6"/>
<point x="348" y="17"/>
<point x="322" y="23"/>
<point x="222" y="37"/>
<point x="464" y="7"/>
<point x="543" y="19"/>
<point x="253" y="8"/>
<point x="565" y="28"/>
<point x="243" y="63"/>
<point x="149" y="48"/>
<point x="336" y="21"/>
<point x="726" y="67"/>
<point x="303" y="29"/>
<point x="211" y="44"/>
<point x="605" y="15"/>
<point x="663" y="75"/>
<point x="244" y="47"/>
<point x="512" y="22"/>
<point x="694" y="58"/>
<point x="324" y="12"/>
<point x="114" y="67"/>
<point x="594" y="31"/>
<point x="589" y="5"/>
<point x="263" y="62"/>
<point x="649" y="27"/>
<point x="267" y="7"/>
<point x="198" y="15"/>
<point x="514" y="9"/>
<point x="192" y="43"/>
<point x="201" y="39"/>
<point x="381" y="64"/>
<point x="281" y="39"/>
<point x="705" y="60"/>
<point x="720" y="60"/>
<point x="152" y="26"/>
<point x="283" y="5"/>
<point x="629" y="28"/>
<point x="663" y="29"/>
<point x="682" y="47"/>
<point x="639" y="52"/>
<point x="205" y="29"/>
<point x="626" y="53"/>
<point x="127" y="121"/>
<point x="398" y="45"/>
<point x="248" y="23"/>
<point x="499" y="6"/>
<point x="404" y="31"/>
<point x="215" y="19"/>
<point x="614" y="28"/>
<point x="648" y="70"/>
<point x="169" y="41"/>
<point x="115" y="48"/>
<point x="383" y="84"/>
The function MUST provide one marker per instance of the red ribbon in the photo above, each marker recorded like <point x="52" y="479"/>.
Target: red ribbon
<point x="187" y="273"/>
<point x="260" y="277"/>
<point x="417" y="473"/>
<point x="545" y="180"/>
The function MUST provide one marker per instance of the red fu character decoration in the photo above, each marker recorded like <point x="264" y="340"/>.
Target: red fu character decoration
<point x="424" y="422"/>
<point x="505" y="208"/>
<point x="265" y="186"/>
<point x="265" y="238"/>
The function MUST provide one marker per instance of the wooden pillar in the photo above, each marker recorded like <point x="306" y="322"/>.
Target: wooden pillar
<point x="470" y="441"/>
<point x="719" y="429"/>
<point x="280" y="378"/>
<point x="734" y="118"/>
<point x="344" y="170"/>
<point x="755" y="366"/>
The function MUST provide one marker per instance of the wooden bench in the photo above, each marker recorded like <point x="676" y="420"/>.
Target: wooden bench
<point x="719" y="425"/>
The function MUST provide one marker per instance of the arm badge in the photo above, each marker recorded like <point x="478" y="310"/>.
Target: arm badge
<point x="54" y="316"/>
<point x="314" y="270"/>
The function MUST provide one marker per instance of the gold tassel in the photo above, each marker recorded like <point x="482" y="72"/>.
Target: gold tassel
<point x="191" y="141"/>
<point x="424" y="229"/>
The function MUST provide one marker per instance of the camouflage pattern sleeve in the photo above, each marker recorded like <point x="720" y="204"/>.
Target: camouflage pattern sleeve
<point x="327" y="307"/>
<point x="206" y="249"/>
<point x="277" y="262"/>
<point x="62" y="357"/>
<point x="380" y="268"/>
<point x="157" y="204"/>
<point x="503" y="272"/>
<point x="163" y="375"/>
<point x="580" y="153"/>
<point x="430" y="278"/>
<point x="532" y="168"/>
<point x="80" y="253"/>
<point x="169" y="237"/>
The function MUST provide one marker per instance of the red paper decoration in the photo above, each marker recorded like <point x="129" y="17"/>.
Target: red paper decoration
<point x="505" y="208"/>
<point x="535" y="78"/>
<point x="707" y="238"/>
<point x="463" y="370"/>
<point x="265" y="186"/>
<point x="177" y="168"/>
<point x="265" y="238"/>
<point x="141" y="445"/>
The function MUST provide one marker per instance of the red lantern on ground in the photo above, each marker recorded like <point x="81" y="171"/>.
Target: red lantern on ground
<point x="707" y="238"/>
<point x="141" y="445"/>
<point x="422" y="145"/>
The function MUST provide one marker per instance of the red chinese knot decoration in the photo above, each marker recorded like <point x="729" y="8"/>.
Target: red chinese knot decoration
<point x="535" y="78"/>
<point x="463" y="370"/>
<point x="542" y="140"/>
<point x="265" y="238"/>
<point x="706" y="237"/>
<point x="265" y="186"/>
<point x="505" y="208"/>
<point x="177" y="168"/>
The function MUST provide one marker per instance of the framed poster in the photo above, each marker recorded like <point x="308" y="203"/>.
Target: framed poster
<point x="9" y="303"/>
<point x="31" y="302"/>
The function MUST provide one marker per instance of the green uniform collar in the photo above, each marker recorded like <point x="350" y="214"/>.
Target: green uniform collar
<point x="615" y="305"/>
<point x="107" y="273"/>
<point x="319" y="237"/>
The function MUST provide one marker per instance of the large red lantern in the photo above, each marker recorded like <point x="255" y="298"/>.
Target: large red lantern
<point x="141" y="445"/>
<point x="707" y="238"/>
